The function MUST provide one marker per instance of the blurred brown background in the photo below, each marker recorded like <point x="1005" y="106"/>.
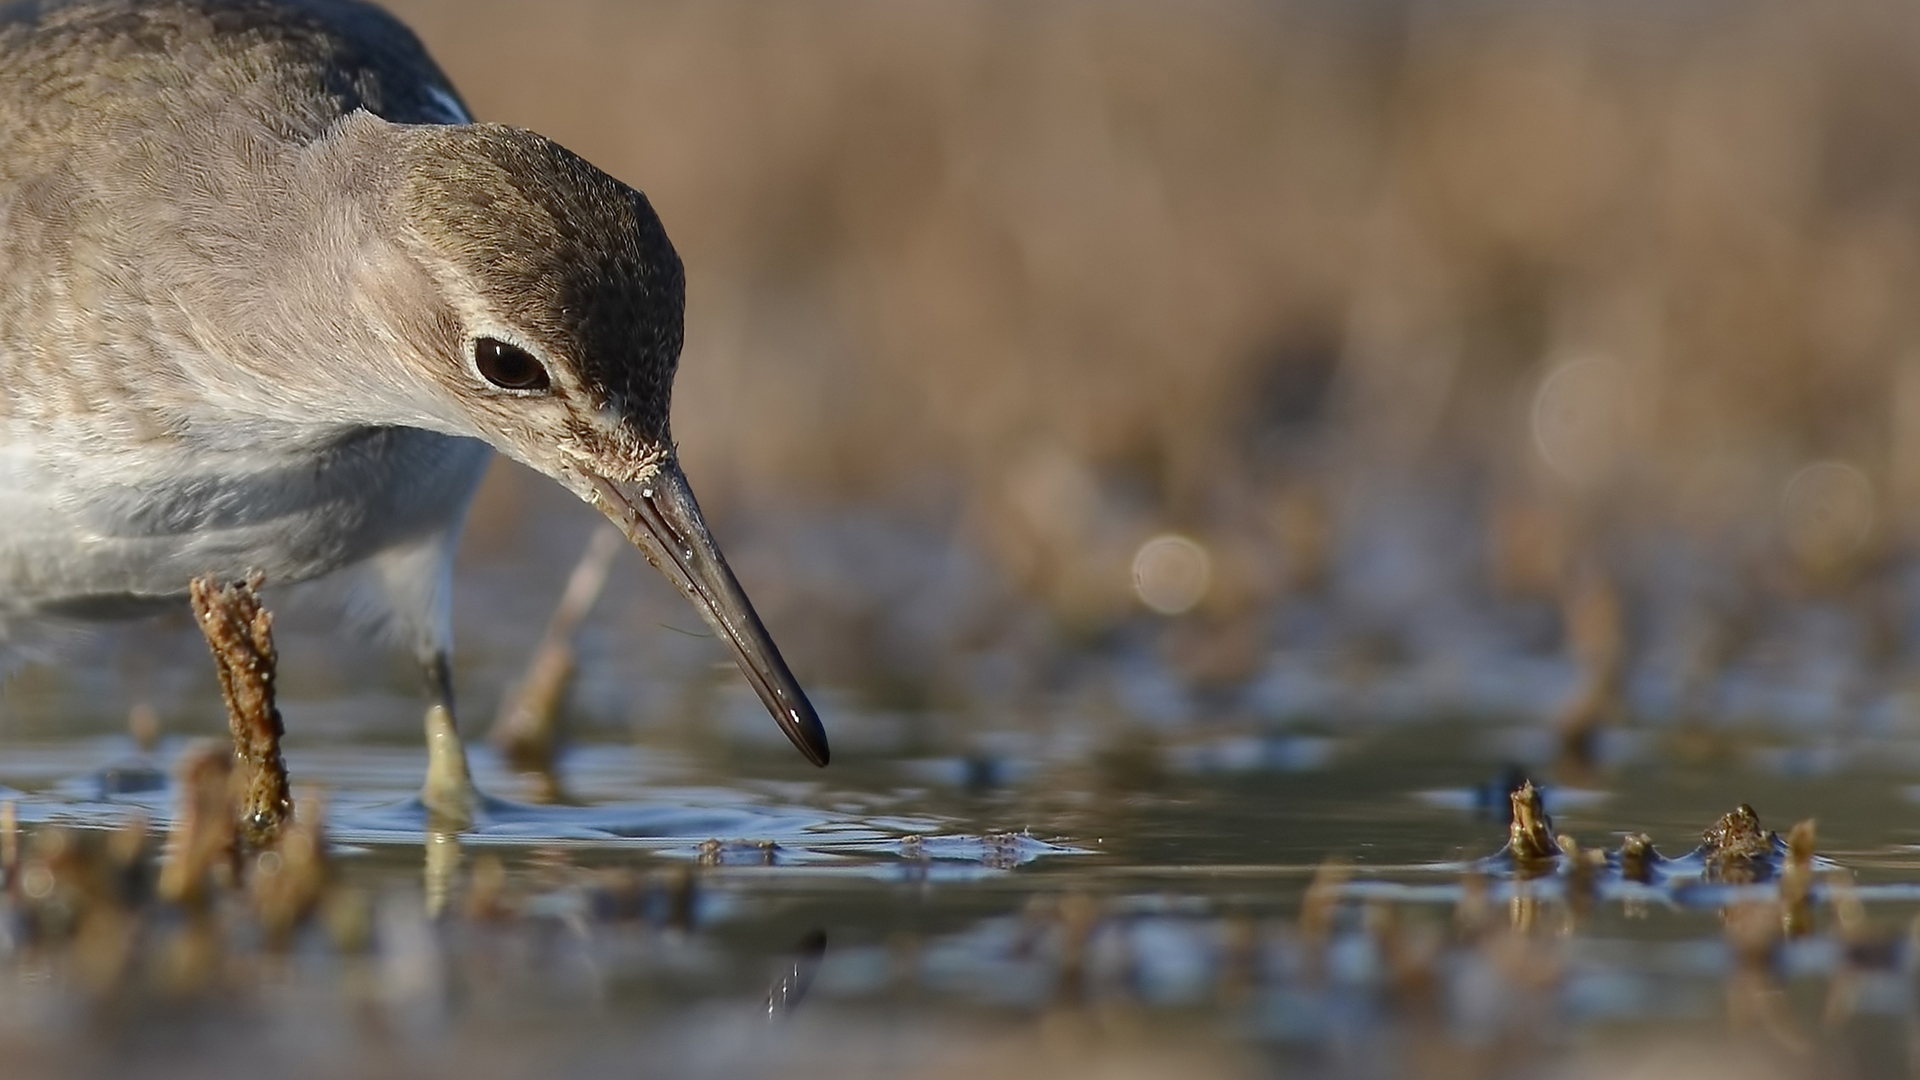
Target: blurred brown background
<point x="1378" y="304"/>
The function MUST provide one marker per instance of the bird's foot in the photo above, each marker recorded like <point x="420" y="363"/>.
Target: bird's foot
<point x="448" y="793"/>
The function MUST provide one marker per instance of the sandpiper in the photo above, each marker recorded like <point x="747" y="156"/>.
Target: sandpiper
<point x="270" y="299"/>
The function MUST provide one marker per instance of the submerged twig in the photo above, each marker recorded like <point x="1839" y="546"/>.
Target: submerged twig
<point x="1796" y="881"/>
<point x="1756" y="1000"/>
<point x="290" y="879"/>
<point x="240" y="632"/>
<point x="200" y="845"/>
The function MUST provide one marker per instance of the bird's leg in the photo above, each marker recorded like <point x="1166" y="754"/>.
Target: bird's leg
<point x="527" y="729"/>
<point x="413" y="583"/>
<point x="448" y="792"/>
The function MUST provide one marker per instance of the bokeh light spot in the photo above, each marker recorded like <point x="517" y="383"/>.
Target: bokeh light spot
<point x="1826" y="513"/>
<point x="1171" y="574"/>
<point x="1579" y="417"/>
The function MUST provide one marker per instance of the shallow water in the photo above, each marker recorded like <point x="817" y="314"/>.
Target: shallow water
<point x="1114" y="875"/>
<point x="893" y="914"/>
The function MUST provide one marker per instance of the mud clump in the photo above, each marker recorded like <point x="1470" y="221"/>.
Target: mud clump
<point x="1530" y="838"/>
<point x="1736" y="849"/>
<point x="1637" y="858"/>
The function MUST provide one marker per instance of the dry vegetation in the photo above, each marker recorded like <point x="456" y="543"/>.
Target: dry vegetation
<point x="1072" y="274"/>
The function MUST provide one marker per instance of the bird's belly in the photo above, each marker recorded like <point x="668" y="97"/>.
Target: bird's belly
<point x="109" y="535"/>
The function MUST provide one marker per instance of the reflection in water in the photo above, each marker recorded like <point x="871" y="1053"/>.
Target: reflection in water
<point x="443" y="862"/>
<point x="1365" y="962"/>
<point x="791" y="986"/>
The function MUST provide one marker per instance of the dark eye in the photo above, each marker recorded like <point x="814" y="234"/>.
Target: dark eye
<point x="508" y="366"/>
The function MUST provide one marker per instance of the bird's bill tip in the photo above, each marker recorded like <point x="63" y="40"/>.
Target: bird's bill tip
<point x="659" y="515"/>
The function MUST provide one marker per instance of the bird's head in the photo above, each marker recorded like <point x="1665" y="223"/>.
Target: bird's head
<point x="556" y="341"/>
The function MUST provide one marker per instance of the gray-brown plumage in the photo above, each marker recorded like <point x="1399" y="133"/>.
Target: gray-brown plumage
<point x="267" y="298"/>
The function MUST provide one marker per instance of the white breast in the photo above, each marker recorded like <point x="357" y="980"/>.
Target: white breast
<point x="111" y="532"/>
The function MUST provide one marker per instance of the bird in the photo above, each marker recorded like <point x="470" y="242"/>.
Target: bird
<point x="270" y="301"/>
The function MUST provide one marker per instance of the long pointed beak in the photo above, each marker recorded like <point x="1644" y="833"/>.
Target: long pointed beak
<point x="662" y="519"/>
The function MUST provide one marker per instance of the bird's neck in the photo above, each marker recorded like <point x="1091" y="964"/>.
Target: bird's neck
<point x="285" y="310"/>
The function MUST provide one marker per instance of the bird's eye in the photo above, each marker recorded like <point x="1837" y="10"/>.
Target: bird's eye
<point x="508" y="366"/>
